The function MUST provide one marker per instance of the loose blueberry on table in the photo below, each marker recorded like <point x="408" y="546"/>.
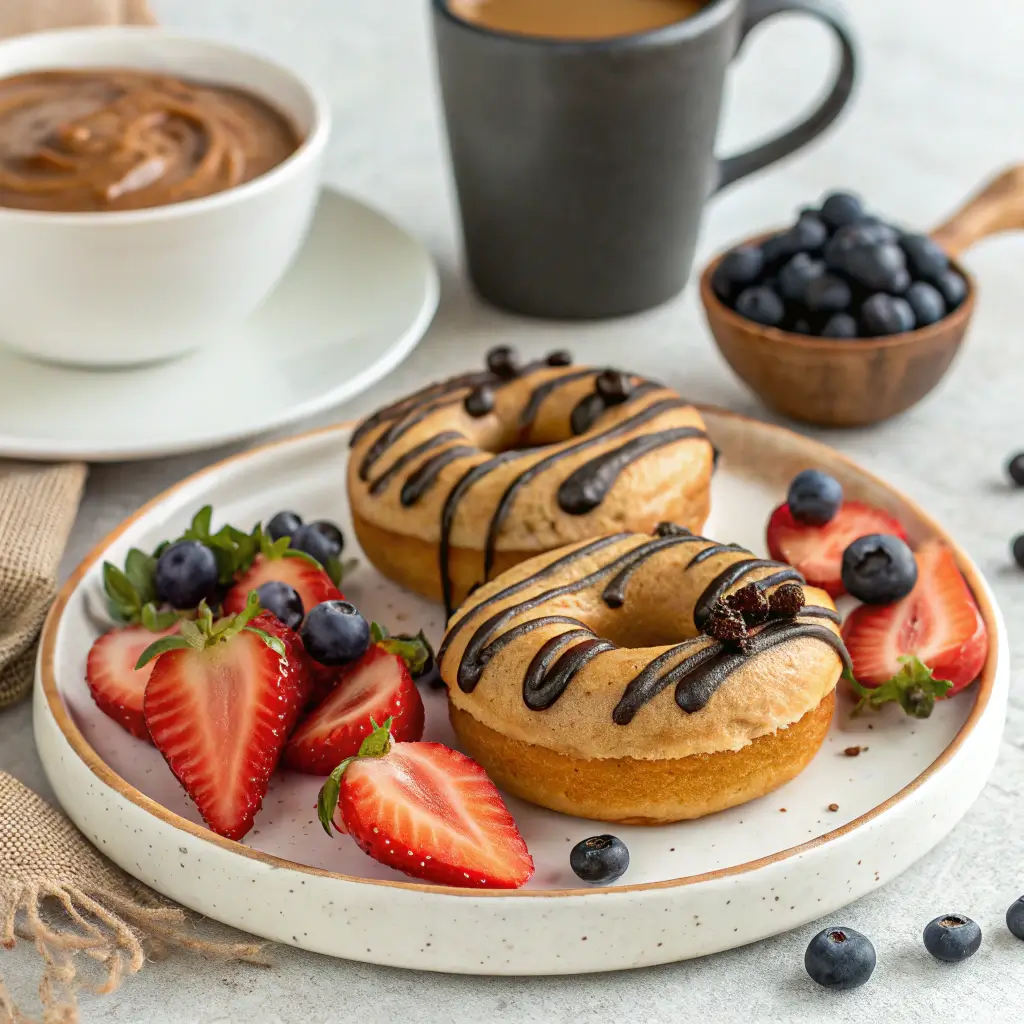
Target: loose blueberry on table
<point x="1015" y="469"/>
<point x="840" y="273"/>
<point x="1015" y="918"/>
<point x="600" y="860"/>
<point x="952" y="938"/>
<point x="840" y="958"/>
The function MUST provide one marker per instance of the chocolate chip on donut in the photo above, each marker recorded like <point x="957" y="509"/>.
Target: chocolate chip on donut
<point x="560" y="357"/>
<point x="502" y="362"/>
<point x="614" y="386"/>
<point x="480" y="401"/>
<point x="786" y="601"/>
<point x="751" y="603"/>
<point x="726" y="625"/>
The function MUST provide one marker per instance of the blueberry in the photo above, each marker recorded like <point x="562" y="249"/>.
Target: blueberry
<point x="1015" y="467"/>
<point x="186" y="573"/>
<point x="1018" y="550"/>
<point x="284" y="524"/>
<point x="282" y="600"/>
<point x="878" y="266"/>
<point x="828" y="294"/>
<point x="777" y="249"/>
<point x="599" y="859"/>
<point x="814" y="497"/>
<point x="874" y="229"/>
<point x="925" y="259"/>
<point x="334" y="633"/>
<point x="502" y="362"/>
<point x="952" y="937"/>
<point x="840" y="325"/>
<point x="840" y="958"/>
<point x="809" y="233"/>
<point x="841" y="208"/>
<point x="762" y="305"/>
<point x="886" y="314"/>
<point x="801" y="325"/>
<point x="953" y="287"/>
<point x="314" y="543"/>
<point x="879" y="569"/>
<point x="331" y="532"/>
<point x="797" y="275"/>
<point x="927" y="303"/>
<point x="737" y="270"/>
<point x="1015" y="918"/>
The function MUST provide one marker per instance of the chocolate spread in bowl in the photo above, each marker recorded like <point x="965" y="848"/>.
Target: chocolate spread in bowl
<point x="126" y="139"/>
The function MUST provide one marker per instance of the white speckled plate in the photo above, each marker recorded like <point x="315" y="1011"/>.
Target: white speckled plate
<point x="691" y="889"/>
<point x="356" y="301"/>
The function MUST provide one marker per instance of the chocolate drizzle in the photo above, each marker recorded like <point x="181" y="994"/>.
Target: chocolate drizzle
<point x="540" y="393"/>
<point x="420" y="481"/>
<point x="380" y="484"/>
<point x="695" y="667"/>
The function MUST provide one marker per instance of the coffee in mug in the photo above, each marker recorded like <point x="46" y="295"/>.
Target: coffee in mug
<point x="574" y="19"/>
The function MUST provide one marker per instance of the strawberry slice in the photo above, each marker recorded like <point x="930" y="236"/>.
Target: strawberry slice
<point x="313" y="584"/>
<point x="428" y="811"/>
<point x="377" y="686"/>
<point x="220" y="703"/>
<point x="938" y="622"/>
<point x="115" y="683"/>
<point x="817" y="551"/>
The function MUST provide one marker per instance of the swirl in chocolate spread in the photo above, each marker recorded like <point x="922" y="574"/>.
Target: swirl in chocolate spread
<point x="697" y="667"/>
<point x="105" y="139"/>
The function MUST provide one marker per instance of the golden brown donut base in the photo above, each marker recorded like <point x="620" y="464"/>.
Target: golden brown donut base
<point x="414" y="563"/>
<point x="666" y="790"/>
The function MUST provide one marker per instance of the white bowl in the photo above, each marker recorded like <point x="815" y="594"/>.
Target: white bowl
<point x="137" y="286"/>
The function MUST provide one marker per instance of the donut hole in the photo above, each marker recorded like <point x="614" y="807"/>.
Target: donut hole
<point x="498" y="433"/>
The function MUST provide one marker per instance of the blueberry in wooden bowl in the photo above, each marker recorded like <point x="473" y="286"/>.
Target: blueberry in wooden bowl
<point x="843" y="319"/>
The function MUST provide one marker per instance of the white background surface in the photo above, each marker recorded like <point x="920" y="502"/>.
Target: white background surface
<point x="938" y="111"/>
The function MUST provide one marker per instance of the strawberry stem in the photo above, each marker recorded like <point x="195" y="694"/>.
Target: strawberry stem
<point x="914" y="688"/>
<point x="415" y="651"/>
<point x="377" y="744"/>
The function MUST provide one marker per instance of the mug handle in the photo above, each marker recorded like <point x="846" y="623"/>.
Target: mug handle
<point x="733" y="168"/>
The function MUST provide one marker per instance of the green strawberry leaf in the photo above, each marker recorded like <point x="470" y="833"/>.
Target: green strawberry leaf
<point x="378" y="743"/>
<point x="157" y="621"/>
<point x="273" y="642"/>
<point x="140" y="569"/>
<point x="914" y="688"/>
<point x="378" y="633"/>
<point x="122" y="597"/>
<point x="162" y="646"/>
<point x="327" y="800"/>
<point x="415" y="651"/>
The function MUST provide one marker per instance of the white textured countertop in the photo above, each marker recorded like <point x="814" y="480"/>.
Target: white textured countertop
<point x="938" y="110"/>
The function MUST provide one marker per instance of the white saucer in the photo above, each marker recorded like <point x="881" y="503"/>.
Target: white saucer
<point x="357" y="300"/>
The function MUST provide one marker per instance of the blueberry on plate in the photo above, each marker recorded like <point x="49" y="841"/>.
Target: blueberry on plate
<point x="878" y="267"/>
<point x="1015" y="469"/>
<point x="814" y="497"/>
<point x="1015" y="918"/>
<point x="840" y="958"/>
<point x="315" y="543"/>
<point x="796" y="276"/>
<point x="925" y="258"/>
<point x="927" y="303"/>
<point x="879" y="569"/>
<point x="282" y="600"/>
<point x="841" y="208"/>
<point x="953" y="287"/>
<point x="1018" y="549"/>
<point x="883" y="314"/>
<point x="334" y="633"/>
<point x="737" y="270"/>
<point x="331" y="532"/>
<point x="952" y="937"/>
<point x="840" y="325"/>
<point x="284" y="524"/>
<point x="762" y="305"/>
<point x="186" y="573"/>
<point x="828" y="294"/>
<point x="600" y="859"/>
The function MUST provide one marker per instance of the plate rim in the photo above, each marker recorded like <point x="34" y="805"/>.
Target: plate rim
<point x="47" y="682"/>
<point x="12" y="447"/>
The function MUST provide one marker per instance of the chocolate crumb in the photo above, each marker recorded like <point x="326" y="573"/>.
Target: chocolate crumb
<point x="671" y="530"/>
<point x="833" y="807"/>
<point x="852" y="751"/>
<point x="750" y="602"/>
<point x="726" y="626"/>
<point x="782" y="810"/>
<point x="786" y="601"/>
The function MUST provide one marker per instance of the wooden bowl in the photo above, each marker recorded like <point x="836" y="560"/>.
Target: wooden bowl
<point x="852" y="383"/>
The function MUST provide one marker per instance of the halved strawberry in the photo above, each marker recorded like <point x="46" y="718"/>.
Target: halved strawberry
<point x="220" y="703"/>
<point x="378" y="686"/>
<point x="115" y="683"/>
<point x="938" y="622"/>
<point x="428" y="811"/>
<point x="313" y="584"/>
<point x="817" y="551"/>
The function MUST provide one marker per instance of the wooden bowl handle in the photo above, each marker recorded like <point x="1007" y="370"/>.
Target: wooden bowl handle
<point x="999" y="206"/>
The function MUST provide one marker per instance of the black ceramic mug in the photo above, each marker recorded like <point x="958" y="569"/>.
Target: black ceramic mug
<point x="582" y="167"/>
